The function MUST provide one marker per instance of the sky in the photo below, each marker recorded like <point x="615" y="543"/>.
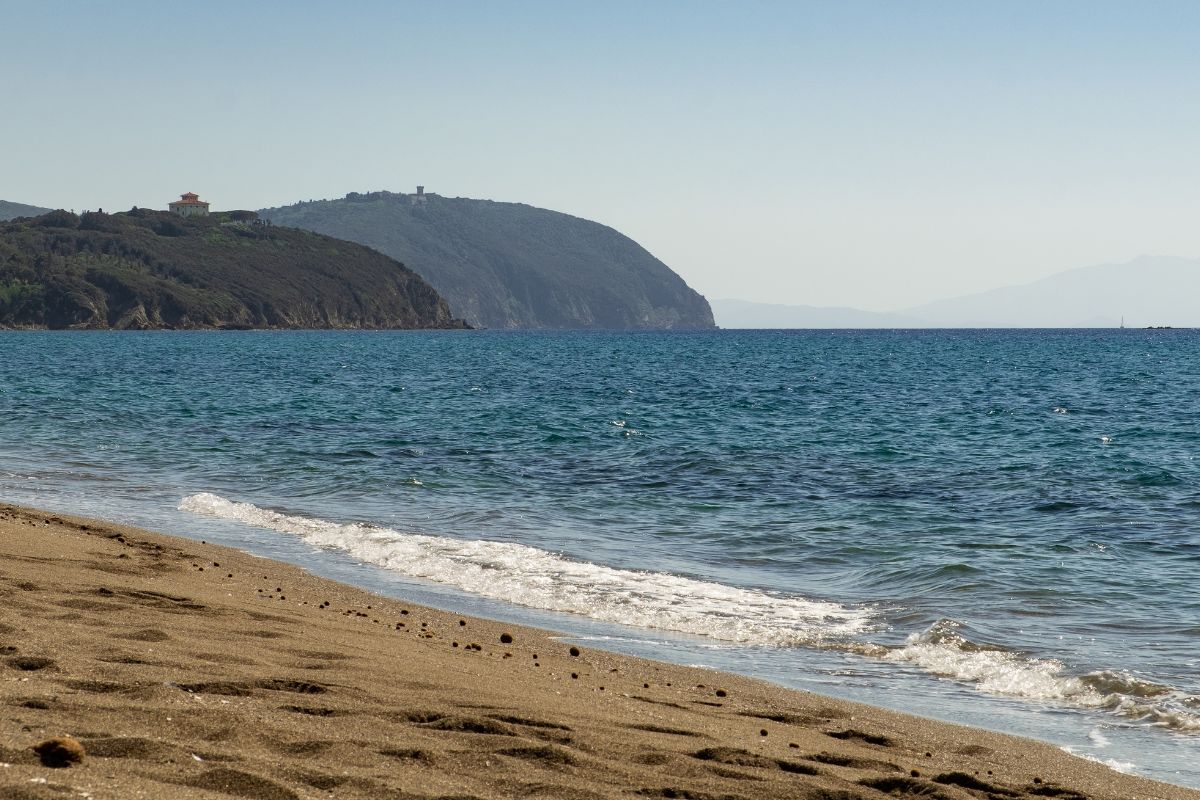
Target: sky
<point x="876" y="155"/>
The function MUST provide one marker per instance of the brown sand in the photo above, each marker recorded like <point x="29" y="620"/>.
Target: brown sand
<point x="190" y="670"/>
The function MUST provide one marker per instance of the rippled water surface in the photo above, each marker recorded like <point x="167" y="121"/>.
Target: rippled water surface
<point x="993" y="527"/>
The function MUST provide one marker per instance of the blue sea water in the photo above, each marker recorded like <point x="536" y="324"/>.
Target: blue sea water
<point x="1000" y="528"/>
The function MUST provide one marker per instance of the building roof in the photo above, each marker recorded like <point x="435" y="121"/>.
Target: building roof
<point x="189" y="199"/>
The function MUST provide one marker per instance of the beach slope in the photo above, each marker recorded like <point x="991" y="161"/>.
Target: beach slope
<point x="189" y="670"/>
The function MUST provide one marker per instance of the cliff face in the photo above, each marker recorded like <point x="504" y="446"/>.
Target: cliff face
<point x="506" y="265"/>
<point x="151" y="269"/>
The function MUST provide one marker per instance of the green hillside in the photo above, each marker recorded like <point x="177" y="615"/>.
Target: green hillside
<point x="13" y="210"/>
<point x="152" y="269"/>
<point x="506" y="265"/>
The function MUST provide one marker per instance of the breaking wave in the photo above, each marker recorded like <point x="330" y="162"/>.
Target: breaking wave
<point x="535" y="578"/>
<point x="943" y="651"/>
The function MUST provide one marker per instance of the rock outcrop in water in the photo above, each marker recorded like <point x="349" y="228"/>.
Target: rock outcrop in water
<point x="508" y="265"/>
<point x="152" y="269"/>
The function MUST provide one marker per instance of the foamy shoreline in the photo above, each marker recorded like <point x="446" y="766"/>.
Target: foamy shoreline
<point x="192" y="670"/>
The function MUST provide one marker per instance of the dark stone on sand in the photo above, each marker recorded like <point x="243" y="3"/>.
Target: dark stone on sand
<point x="722" y="693"/>
<point x="61" y="751"/>
<point x="506" y="638"/>
<point x="574" y="651"/>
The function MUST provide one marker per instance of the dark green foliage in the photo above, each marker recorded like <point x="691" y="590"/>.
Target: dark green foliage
<point x="13" y="210"/>
<point x="505" y="265"/>
<point x="151" y="269"/>
<point x="57" y="219"/>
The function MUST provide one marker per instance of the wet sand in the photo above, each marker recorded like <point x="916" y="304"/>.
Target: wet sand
<point x="190" y="670"/>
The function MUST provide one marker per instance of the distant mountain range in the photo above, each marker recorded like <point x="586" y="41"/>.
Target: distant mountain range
<point x="1150" y="290"/>
<point x="509" y="265"/>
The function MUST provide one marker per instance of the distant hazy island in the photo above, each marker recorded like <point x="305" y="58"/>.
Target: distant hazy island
<point x="156" y="269"/>
<point x="509" y="265"/>
<point x="1150" y="291"/>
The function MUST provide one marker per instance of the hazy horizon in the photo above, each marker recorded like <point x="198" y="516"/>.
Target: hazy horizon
<point x="863" y="154"/>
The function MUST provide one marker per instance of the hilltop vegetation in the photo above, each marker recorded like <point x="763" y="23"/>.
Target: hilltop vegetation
<point x="506" y="265"/>
<point x="13" y="210"/>
<point x="152" y="269"/>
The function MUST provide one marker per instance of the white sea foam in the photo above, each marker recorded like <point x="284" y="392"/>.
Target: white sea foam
<point x="1124" y="767"/>
<point x="531" y="577"/>
<point x="941" y="651"/>
<point x="992" y="670"/>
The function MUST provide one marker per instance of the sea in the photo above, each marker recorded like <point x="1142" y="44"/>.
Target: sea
<point x="999" y="528"/>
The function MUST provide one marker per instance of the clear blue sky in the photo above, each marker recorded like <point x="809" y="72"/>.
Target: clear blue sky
<point x="872" y="154"/>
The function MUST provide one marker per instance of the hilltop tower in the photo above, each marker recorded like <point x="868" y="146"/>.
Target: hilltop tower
<point x="418" y="199"/>
<point x="189" y="205"/>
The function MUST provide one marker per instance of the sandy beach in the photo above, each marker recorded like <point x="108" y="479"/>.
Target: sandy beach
<point x="185" y="669"/>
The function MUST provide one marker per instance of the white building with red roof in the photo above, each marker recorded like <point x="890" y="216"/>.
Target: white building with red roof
<point x="189" y="205"/>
